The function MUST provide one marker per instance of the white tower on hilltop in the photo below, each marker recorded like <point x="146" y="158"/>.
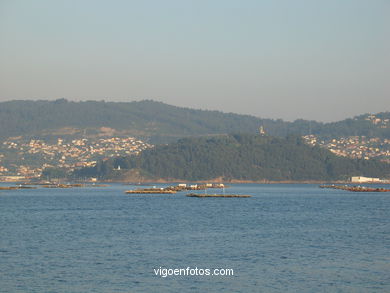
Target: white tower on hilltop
<point x="261" y="130"/>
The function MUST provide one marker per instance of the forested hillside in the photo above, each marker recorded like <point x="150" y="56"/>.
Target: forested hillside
<point x="162" y="122"/>
<point x="241" y="157"/>
<point x="146" y="118"/>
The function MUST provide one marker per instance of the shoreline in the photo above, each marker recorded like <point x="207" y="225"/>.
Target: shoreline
<point x="213" y="181"/>
<point x="236" y="181"/>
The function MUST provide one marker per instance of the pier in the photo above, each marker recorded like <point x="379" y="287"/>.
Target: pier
<point x="16" y="187"/>
<point x="150" y="191"/>
<point x="355" y="188"/>
<point x="218" y="195"/>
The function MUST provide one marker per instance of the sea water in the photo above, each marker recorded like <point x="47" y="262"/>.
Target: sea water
<point x="285" y="238"/>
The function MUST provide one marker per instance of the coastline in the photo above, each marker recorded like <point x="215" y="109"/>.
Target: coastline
<point x="233" y="181"/>
<point x="140" y="181"/>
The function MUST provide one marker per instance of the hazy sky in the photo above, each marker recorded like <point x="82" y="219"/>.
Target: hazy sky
<point x="323" y="60"/>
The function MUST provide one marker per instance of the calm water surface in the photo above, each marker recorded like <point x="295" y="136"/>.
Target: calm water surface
<point x="286" y="238"/>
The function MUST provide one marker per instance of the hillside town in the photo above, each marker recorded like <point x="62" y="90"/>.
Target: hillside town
<point x="380" y="122"/>
<point x="28" y="158"/>
<point x="357" y="147"/>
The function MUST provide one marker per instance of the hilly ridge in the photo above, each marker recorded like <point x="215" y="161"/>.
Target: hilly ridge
<point x="147" y="118"/>
<point x="163" y="123"/>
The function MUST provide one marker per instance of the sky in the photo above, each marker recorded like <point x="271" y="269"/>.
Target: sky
<point x="321" y="60"/>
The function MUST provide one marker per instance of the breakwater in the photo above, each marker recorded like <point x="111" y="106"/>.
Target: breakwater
<point x="355" y="188"/>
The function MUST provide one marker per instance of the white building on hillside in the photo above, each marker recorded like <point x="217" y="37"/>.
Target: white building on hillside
<point x="361" y="179"/>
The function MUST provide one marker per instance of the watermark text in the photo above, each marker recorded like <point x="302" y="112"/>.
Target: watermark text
<point x="164" y="272"/>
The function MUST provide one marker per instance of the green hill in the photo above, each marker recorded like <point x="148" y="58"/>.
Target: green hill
<point x="240" y="157"/>
<point x="161" y="122"/>
<point x="144" y="118"/>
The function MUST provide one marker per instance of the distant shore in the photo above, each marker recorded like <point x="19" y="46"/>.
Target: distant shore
<point x="235" y="181"/>
<point x="218" y="180"/>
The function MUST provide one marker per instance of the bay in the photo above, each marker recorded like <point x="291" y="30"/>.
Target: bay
<point x="286" y="238"/>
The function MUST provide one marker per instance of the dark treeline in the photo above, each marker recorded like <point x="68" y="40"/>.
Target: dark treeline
<point x="161" y="122"/>
<point x="242" y="157"/>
